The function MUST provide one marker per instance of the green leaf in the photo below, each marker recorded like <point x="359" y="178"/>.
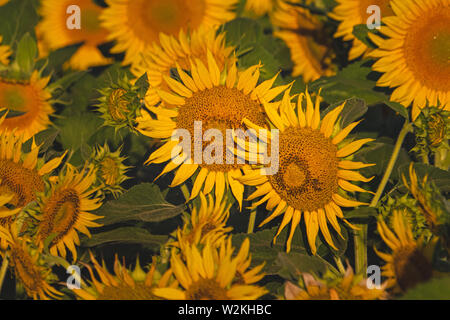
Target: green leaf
<point x="361" y="32"/>
<point x="44" y="139"/>
<point x="125" y="235"/>
<point x="26" y="53"/>
<point x="292" y="265"/>
<point x="143" y="202"/>
<point x="143" y="85"/>
<point x="354" y="109"/>
<point x="57" y="58"/>
<point x="18" y="17"/>
<point x="397" y="107"/>
<point x="363" y="212"/>
<point x="436" y="289"/>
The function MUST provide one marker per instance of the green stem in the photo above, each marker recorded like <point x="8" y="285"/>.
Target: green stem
<point x="185" y="191"/>
<point x="251" y="221"/>
<point x="3" y="270"/>
<point x="361" y="234"/>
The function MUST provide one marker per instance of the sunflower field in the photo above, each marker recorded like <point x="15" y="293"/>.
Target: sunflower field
<point x="224" y="149"/>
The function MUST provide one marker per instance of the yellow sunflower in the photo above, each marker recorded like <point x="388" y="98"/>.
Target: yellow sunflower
<point x="415" y="57"/>
<point x="136" y="24"/>
<point x="31" y="99"/>
<point x="217" y="101"/>
<point x="351" y="13"/>
<point x="259" y="7"/>
<point x="54" y="32"/>
<point x="208" y="274"/>
<point x="3" y="2"/>
<point x="348" y="287"/>
<point x="409" y="263"/>
<point x="206" y="223"/>
<point x="170" y="51"/>
<point x="5" y="52"/>
<point x="27" y="268"/>
<point x="313" y="172"/>
<point x="124" y="284"/>
<point x="21" y="174"/>
<point x="304" y="34"/>
<point x="65" y="211"/>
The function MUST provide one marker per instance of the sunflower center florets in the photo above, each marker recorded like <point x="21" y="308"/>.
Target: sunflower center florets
<point x="411" y="267"/>
<point x="219" y="108"/>
<point x="26" y="270"/>
<point x="206" y="289"/>
<point x="123" y="292"/>
<point x="307" y="177"/>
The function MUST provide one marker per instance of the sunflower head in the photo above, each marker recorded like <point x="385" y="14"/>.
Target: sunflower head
<point x="119" y="104"/>
<point x="5" y="53"/>
<point x="209" y="273"/>
<point x="314" y="168"/>
<point x="207" y="222"/>
<point x="308" y="41"/>
<point x="65" y="211"/>
<point x="123" y="284"/>
<point x="28" y="265"/>
<point x="432" y="131"/>
<point x="346" y="287"/>
<point x="208" y="100"/>
<point x="259" y="7"/>
<point x="110" y="169"/>
<point x="409" y="263"/>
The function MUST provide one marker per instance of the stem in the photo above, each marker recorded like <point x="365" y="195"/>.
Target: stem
<point x="185" y="191"/>
<point x="361" y="234"/>
<point x="339" y="264"/>
<point x="251" y="221"/>
<point x="3" y="270"/>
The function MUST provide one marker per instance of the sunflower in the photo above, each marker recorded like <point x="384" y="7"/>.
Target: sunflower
<point x="54" y="32"/>
<point x="304" y="35"/>
<point x="206" y="223"/>
<point x="30" y="98"/>
<point x="3" y="2"/>
<point x="259" y="7"/>
<point x="170" y="51"/>
<point x="66" y="210"/>
<point x="217" y="101"/>
<point x="313" y="173"/>
<point x="351" y="13"/>
<point x="414" y="59"/>
<point x="5" y="52"/>
<point x="409" y="263"/>
<point x="208" y="274"/>
<point x="21" y="174"/>
<point x="110" y="169"/>
<point x="124" y="284"/>
<point x="25" y="261"/>
<point x="136" y="24"/>
<point x="348" y="287"/>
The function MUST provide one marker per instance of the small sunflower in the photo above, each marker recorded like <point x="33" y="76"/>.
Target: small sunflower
<point x="259" y="7"/>
<point x="110" y="169"/>
<point x="31" y="99"/>
<point x="5" y="52"/>
<point x="170" y="51"/>
<point x="206" y="223"/>
<point x="124" y="284"/>
<point x="65" y="211"/>
<point x="348" y="287"/>
<point x="415" y="57"/>
<point x="208" y="274"/>
<point x="54" y="32"/>
<point x="217" y="101"/>
<point x="305" y="36"/>
<point x="313" y="173"/>
<point x="21" y="174"/>
<point x="409" y="262"/>
<point x="25" y="261"/>
<point x="137" y="24"/>
<point x="351" y="13"/>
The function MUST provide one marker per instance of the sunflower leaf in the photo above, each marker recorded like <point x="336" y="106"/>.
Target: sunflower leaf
<point x="292" y="265"/>
<point x="361" y="32"/>
<point x="435" y="289"/>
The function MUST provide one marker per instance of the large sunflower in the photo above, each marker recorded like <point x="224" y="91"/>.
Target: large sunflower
<point x="313" y="173"/>
<point x="304" y="34"/>
<point x="206" y="223"/>
<point x="5" y="52"/>
<point x="25" y="261"/>
<point x="124" y="284"/>
<point x="218" y="101"/>
<point x="66" y="210"/>
<point x="170" y="51"/>
<point x="351" y="13"/>
<point x="415" y="56"/>
<point x="30" y="98"/>
<point x="409" y="263"/>
<point x="55" y="34"/>
<point x="136" y="24"/>
<point x="208" y="274"/>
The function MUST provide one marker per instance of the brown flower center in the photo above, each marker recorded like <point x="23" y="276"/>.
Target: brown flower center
<point x="206" y="289"/>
